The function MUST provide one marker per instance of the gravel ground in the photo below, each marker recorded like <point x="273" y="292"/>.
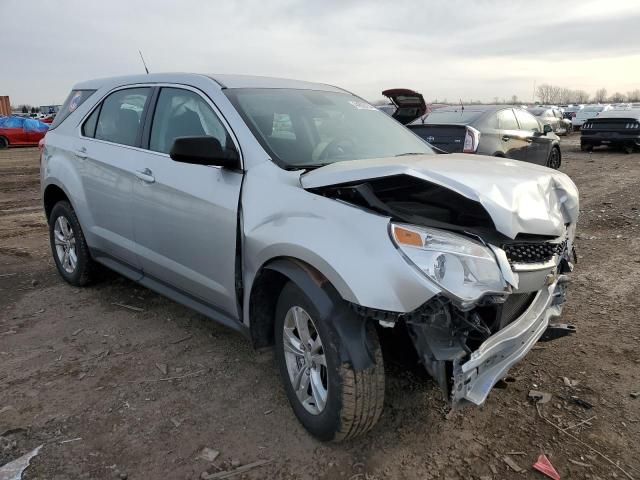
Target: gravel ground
<point x="91" y="380"/>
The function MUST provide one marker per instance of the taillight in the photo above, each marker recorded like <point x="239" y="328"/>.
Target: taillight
<point x="471" y="140"/>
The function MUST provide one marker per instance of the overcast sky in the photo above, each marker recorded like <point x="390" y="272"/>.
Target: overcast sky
<point x="445" y="49"/>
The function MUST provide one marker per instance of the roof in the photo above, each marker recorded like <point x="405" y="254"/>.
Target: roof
<point x="475" y="108"/>
<point x="223" y="80"/>
<point x="628" y="113"/>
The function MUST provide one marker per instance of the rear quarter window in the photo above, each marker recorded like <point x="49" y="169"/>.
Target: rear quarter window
<point x="70" y="105"/>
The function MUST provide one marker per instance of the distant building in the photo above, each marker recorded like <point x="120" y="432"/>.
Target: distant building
<point x="46" y="109"/>
<point x="5" y="107"/>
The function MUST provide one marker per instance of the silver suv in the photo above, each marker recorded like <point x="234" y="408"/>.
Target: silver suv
<point x="305" y="218"/>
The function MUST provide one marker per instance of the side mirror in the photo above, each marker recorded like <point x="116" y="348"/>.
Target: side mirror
<point x="546" y="129"/>
<point x="205" y="150"/>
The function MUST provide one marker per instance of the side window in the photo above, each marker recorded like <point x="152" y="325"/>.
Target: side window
<point x="506" y="120"/>
<point x="120" y="114"/>
<point x="527" y="121"/>
<point x="73" y="101"/>
<point x="89" y="126"/>
<point x="183" y="113"/>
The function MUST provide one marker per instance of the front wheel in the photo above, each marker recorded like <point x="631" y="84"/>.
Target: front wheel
<point x="331" y="399"/>
<point x="4" y="143"/>
<point x="554" y="159"/>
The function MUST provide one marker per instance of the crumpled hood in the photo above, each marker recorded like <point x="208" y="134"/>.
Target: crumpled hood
<point x="520" y="197"/>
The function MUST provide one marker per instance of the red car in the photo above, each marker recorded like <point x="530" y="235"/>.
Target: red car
<point x="18" y="131"/>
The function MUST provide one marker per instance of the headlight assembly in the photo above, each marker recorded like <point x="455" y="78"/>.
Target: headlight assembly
<point x="463" y="268"/>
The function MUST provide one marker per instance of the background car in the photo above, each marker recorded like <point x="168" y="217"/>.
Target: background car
<point x="406" y="105"/>
<point x="18" y="131"/>
<point x="614" y="128"/>
<point x="553" y="117"/>
<point x="589" y="111"/>
<point x="496" y="130"/>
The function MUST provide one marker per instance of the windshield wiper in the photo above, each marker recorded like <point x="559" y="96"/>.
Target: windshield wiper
<point x="409" y="153"/>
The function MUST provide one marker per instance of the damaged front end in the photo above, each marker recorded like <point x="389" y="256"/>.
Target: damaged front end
<point x="499" y="281"/>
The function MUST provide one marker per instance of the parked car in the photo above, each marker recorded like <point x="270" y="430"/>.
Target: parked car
<point x="571" y="111"/>
<point x="614" y="128"/>
<point x="302" y="216"/>
<point x="553" y="117"/>
<point x="406" y="105"/>
<point x="589" y="111"/>
<point x="495" y="130"/>
<point x="21" y="132"/>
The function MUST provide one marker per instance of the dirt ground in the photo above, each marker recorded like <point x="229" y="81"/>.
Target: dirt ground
<point x="84" y="376"/>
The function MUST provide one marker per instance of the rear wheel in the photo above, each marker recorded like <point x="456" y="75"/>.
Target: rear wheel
<point x="331" y="399"/>
<point x="554" y="159"/>
<point x="4" y="143"/>
<point x="69" y="248"/>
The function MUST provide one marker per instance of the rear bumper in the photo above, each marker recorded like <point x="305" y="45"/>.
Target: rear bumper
<point x="610" y="138"/>
<point x="474" y="379"/>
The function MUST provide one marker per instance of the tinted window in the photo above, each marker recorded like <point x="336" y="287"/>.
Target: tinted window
<point x="89" y="126"/>
<point x="506" y="120"/>
<point x="527" y="121"/>
<point x="120" y="116"/>
<point x="458" y="115"/>
<point x="306" y="128"/>
<point x="183" y="113"/>
<point x="70" y="105"/>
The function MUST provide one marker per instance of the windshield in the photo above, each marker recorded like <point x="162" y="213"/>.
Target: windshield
<point x="593" y="109"/>
<point x="310" y="128"/>
<point x="458" y="115"/>
<point x="536" y="111"/>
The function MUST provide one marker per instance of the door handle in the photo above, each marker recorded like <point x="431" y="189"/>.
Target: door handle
<point x="506" y="138"/>
<point x="145" y="175"/>
<point x="81" y="152"/>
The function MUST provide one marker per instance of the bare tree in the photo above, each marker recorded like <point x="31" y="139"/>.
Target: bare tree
<point x="514" y="100"/>
<point x="634" y="95"/>
<point x="601" y="95"/>
<point x="580" y="96"/>
<point x="617" y="97"/>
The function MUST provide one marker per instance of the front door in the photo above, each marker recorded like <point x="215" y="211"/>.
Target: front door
<point x="539" y="144"/>
<point x="186" y="216"/>
<point x="514" y="142"/>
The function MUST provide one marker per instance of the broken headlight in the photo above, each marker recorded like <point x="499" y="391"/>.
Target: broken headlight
<point x="464" y="268"/>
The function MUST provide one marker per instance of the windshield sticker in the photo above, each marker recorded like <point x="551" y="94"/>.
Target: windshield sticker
<point x="362" y="105"/>
<point x="75" y="101"/>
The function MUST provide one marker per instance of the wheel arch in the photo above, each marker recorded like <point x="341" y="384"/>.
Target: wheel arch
<point x="263" y="298"/>
<point x="51" y="195"/>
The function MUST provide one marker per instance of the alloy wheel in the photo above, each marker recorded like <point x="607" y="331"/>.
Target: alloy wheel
<point x="554" y="159"/>
<point x="65" y="242"/>
<point x="305" y="359"/>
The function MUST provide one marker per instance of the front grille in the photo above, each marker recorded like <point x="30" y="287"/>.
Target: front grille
<point x="529" y="252"/>
<point x="515" y="305"/>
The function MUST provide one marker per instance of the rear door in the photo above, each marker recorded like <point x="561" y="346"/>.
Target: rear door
<point x="538" y="144"/>
<point x="186" y="216"/>
<point x="514" y="141"/>
<point x="106" y="153"/>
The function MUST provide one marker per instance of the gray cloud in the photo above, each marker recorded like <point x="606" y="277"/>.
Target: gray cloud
<point x="454" y="49"/>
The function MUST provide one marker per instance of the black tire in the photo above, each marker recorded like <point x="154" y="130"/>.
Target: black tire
<point x="555" y="158"/>
<point x="4" y="143"/>
<point x="86" y="269"/>
<point x="586" y="148"/>
<point x="354" y="398"/>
